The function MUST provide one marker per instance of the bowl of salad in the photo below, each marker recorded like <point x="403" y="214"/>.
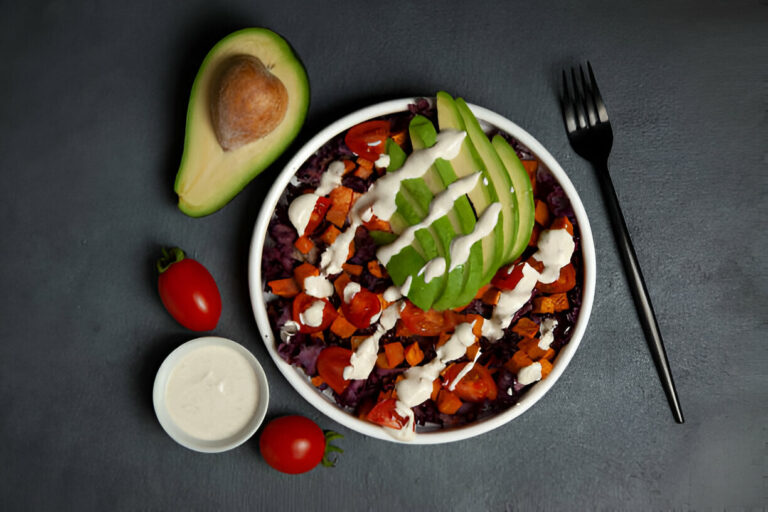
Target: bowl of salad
<point x="422" y="270"/>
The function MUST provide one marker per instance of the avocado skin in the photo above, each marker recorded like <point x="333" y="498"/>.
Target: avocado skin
<point x="248" y="160"/>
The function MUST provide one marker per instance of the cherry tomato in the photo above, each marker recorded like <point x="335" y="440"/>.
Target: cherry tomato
<point x="475" y="386"/>
<point x="363" y="307"/>
<point x="424" y="323"/>
<point x="368" y="139"/>
<point x="318" y="214"/>
<point x="292" y="444"/>
<point x="302" y="302"/>
<point x="188" y="291"/>
<point x="330" y="366"/>
<point x="565" y="282"/>
<point x="385" y="414"/>
<point x="508" y="276"/>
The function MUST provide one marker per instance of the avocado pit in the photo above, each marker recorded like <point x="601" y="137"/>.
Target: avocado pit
<point x="248" y="102"/>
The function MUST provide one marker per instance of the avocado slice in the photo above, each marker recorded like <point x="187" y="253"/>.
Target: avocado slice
<point x="501" y="183"/>
<point x="485" y="254"/>
<point x="523" y="192"/>
<point x="210" y="175"/>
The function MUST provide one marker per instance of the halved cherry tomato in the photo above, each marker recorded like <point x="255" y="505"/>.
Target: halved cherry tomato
<point x="302" y="302"/>
<point x="386" y="415"/>
<point x="330" y="366"/>
<point x="362" y="308"/>
<point x="508" y="276"/>
<point x="565" y="282"/>
<point x="475" y="386"/>
<point x="368" y="139"/>
<point x="424" y="323"/>
<point x="318" y="214"/>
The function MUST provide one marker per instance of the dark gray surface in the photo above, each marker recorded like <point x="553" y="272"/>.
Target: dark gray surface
<point x="92" y="103"/>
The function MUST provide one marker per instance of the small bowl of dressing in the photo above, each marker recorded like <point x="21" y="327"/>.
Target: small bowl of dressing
<point x="210" y="394"/>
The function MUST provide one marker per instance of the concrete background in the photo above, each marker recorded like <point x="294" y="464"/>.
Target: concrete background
<point x="92" y="110"/>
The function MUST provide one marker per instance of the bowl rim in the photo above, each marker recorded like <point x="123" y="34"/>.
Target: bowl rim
<point x="173" y="430"/>
<point x="301" y="383"/>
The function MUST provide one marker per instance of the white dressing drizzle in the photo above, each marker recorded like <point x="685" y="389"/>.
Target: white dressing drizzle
<point x="433" y="268"/>
<point x="300" y="211"/>
<point x="439" y="207"/>
<point x="318" y="286"/>
<point x="331" y="178"/>
<point x="406" y="287"/>
<point x="555" y="250"/>
<point x="364" y="358"/>
<point x="464" y="371"/>
<point x="460" y="246"/>
<point x="547" y="333"/>
<point x="350" y="291"/>
<point x="313" y="315"/>
<point x="529" y="374"/>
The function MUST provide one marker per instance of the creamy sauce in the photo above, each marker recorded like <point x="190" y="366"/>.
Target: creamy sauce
<point x="464" y="371"/>
<point x="350" y="291"/>
<point x="529" y="374"/>
<point x="364" y="358"/>
<point x="460" y="246"/>
<point x="300" y="211"/>
<point x="439" y="207"/>
<point x="318" y="286"/>
<point x="313" y="315"/>
<point x="288" y="329"/>
<point x="392" y="294"/>
<point x="554" y="253"/>
<point x="416" y="387"/>
<point x="547" y="333"/>
<point x="434" y="268"/>
<point x="212" y="393"/>
<point x="406" y="287"/>
<point x="331" y="178"/>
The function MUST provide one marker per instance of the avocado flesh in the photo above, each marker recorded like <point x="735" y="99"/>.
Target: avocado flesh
<point x="523" y="193"/>
<point x="209" y="176"/>
<point x="500" y="179"/>
<point x="485" y="254"/>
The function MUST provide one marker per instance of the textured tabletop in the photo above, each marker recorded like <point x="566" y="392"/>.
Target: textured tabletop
<point x="92" y="109"/>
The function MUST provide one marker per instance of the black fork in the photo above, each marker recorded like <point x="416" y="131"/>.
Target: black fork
<point x="591" y="136"/>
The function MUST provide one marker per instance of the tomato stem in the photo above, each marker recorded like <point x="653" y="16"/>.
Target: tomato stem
<point x="330" y="435"/>
<point x="169" y="257"/>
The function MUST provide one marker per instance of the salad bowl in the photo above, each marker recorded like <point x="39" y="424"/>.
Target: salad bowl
<point x="323" y="400"/>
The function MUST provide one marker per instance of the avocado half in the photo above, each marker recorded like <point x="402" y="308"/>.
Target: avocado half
<point x="210" y="175"/>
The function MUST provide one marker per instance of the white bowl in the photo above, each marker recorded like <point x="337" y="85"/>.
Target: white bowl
<point x="182" y="437"/>
<point x="325" y="404"/>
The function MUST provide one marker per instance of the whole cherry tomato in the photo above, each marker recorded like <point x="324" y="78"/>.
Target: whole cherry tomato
<point x="362" y="308"/>
<point x="295" y="444"/>
<point x="368" y="139"/>
<point x="188" y="291"/>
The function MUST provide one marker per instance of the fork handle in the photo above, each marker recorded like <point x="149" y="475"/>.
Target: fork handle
<point x="639" y="290"/>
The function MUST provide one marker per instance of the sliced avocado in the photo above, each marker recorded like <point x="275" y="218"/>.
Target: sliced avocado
<point x="252" y="60"/>
<point x="523" y="192"/>
<point x="396" y="155"/>
<point x="487" y="252"/>
<point x="501" y="181"/>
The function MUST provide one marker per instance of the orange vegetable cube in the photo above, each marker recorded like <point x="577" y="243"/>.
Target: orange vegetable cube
<point x="304" y="271"/>
<point x="518" y="360"/>
<point x="341" y="202"/>
<point x="355" y="341"/>
<point x="472" y="350"/>
<point x="436" y="385"/>
<point x="317" y="381"/>
<point x="364" y="172"/>
<point x="341" y="282"/>
<point x="531" y="347"/>
<point x="355" y="270"/>
<point x="447" y="402"/>
<point x="413" y="354"/>
<point x="482" y="290"/>
<point x="330" y="234"/>
<point x="342" y="327"/>
<point x="348" y="166"/>
<point x="376" y="270"/>
<point x="534" y="235"/>
<point x="543" y="305"/>
<point x="560" y="301"/>
<point x="562" y="223"/>
<point x="304" y="244"/>
<point x="382" y="362"/>
<point x="541" y="214"/>
<point x="395" y="353"/>
<point x="284" y="287"/>
<point x="526" y="328"/>
<point x="491" y="296"/>
<point x="546" y="368"/>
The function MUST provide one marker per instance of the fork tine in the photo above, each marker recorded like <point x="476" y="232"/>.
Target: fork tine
<point x="566" y="100"/>
<point x="589" y="101"/>
<point x="578" y="101"/>
<point x="602" y="112"/>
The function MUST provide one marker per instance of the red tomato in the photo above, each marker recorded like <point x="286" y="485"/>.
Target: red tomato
<point x="368" y="139"/>
<point x="424" y="323"/>
<point x="330" y="366"/>
<point x="302" y="302"/>
<point x="188" y="291"/>
<point x="318" y="214"/>
<point x="508" y="276"/>
<point x="292" y="444"/>
<point x="475" y="386"/>
<point x="364" y="306"/>
<point x="385" y="414"/>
